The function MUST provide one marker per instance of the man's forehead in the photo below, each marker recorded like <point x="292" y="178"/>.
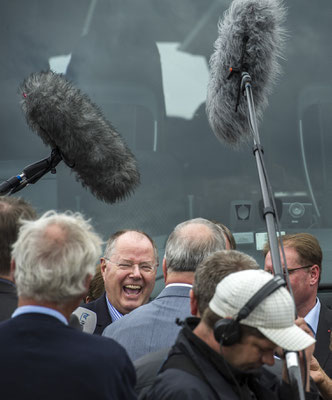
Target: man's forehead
<point x="262" y="342"/>
<point x="291" y="254"/>
<point x="132" y="236"/>
<point x="134" y="240"/>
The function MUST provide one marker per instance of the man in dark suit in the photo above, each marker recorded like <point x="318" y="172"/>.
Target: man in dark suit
<point x="54" y="259"/>
<point x="323" y="336"/>
<point x="304" y="262"/>
<point x="152" y="326"/>
<point x="129" y="269"/>
<point x="11" y="210"/>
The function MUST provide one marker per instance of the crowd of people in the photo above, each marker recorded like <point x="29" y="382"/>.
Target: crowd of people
<point x="78" y="321"/>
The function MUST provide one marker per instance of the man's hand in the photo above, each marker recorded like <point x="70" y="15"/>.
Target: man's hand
<point x="323" y="382"/>
<point x="316" y="372"/>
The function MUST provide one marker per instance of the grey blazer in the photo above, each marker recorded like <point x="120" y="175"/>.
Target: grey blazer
<point x="152" y="327"/>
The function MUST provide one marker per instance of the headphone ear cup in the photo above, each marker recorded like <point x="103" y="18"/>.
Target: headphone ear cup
<point x="227" y="331"/>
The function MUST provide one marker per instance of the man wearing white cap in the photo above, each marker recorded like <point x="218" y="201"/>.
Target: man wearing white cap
<point x="219" y="356"/>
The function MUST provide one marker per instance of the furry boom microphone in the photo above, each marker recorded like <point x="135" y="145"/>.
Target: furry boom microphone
<point x="249" y="34"/>
<point x="66" y="119"/>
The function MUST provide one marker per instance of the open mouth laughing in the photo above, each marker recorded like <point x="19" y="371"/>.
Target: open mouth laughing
<point x="132" y="290"/>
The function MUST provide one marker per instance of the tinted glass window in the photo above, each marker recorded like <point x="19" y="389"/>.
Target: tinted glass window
<point x="145" y="63"/>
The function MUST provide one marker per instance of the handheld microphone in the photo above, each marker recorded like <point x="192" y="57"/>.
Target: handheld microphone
<point x="86" y="318"/>
<point x="68" y="120"/>
<point x="74" y="322"/>
<point x="250" y="39"/>
<point x="294" y="373"/>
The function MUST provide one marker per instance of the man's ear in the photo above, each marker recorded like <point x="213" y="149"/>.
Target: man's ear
<point x="314" y="274"/>
<point x="102" y="267"/>
<point x="164" y="269"/>
<point x="12" y="270"/>
<point x="193" y="304"/>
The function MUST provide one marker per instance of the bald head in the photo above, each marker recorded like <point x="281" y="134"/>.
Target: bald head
<point x="190" y="243"/>
<point x="135" y="236"/>
<point x="196" y="231"/>
<point x="55" y="234"/>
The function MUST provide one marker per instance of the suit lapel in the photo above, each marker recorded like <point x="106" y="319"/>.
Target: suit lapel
<point x="323" y="336"/>
<point x="103" y="316"/>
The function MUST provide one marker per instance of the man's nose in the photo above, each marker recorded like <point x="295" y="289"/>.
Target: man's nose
<point x="135" y="271"/>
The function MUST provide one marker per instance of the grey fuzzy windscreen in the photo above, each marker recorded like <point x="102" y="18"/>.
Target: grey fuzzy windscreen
<point x="261" y="21"/>
<point x="66" y="118"/>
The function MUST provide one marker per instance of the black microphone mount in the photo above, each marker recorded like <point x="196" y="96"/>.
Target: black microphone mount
<point x="239" y="70"/>
<point x="31" y="173"/>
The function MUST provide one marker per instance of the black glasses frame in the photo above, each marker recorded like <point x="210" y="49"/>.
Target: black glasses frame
<point x="290" y="271"/>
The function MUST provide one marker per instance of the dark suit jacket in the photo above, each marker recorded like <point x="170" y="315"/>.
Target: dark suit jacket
<point x="323" y="337"/>
<point x="8" y="299"/>
<point x="42" y="358"/>
<point x="99" y="306"/>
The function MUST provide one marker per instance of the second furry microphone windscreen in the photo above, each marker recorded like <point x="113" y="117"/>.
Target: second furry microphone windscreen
<point x="260" y="23"/>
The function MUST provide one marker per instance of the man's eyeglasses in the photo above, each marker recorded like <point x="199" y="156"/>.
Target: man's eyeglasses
<point x="291" y="271"/>
<point x="129" y="266"/>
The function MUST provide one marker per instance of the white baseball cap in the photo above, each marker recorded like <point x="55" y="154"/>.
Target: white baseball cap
<point x="274" y="317"/>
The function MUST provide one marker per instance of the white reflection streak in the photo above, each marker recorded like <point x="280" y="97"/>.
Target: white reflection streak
<point x="185" y="79"/>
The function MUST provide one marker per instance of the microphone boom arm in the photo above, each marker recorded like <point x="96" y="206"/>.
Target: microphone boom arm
<point x="270" y="216"/>
<point x="269" y="210"/>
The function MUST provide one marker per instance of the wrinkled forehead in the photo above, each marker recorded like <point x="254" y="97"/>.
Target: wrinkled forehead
<point x="133" y="244"/>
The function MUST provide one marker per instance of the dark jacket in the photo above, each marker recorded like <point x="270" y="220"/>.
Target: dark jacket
<point x="194" y="371"/>
<point x="43" y="358"/>
<point x="99" y="306"/>
<point x="323" y="339"/>
<point x="8" y="299"/>
<point x="147" y="368"/>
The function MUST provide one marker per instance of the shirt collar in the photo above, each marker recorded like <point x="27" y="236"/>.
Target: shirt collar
<point x="114" y="313"/>
<point x="313" y="316"/>
<point x="179" y="284"/>
<point x="40" y="310"/>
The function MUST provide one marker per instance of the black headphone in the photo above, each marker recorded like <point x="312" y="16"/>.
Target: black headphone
<point x="227" y="331"/>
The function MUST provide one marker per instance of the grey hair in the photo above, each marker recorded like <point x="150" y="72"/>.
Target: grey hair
<point x="54" y="267"/>
<point x="184" y="252"/>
